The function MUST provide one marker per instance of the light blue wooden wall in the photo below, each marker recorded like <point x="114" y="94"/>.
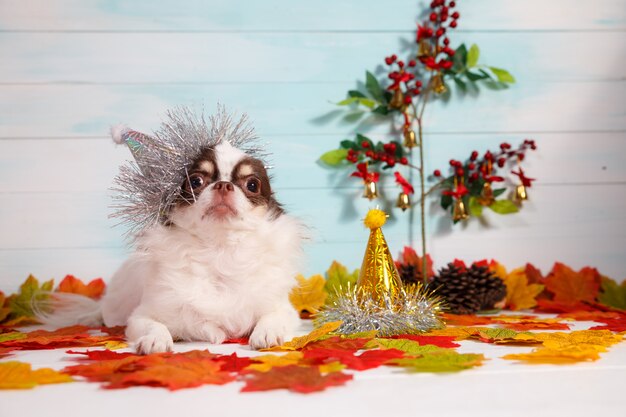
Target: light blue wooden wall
<point x="71" y="68"/>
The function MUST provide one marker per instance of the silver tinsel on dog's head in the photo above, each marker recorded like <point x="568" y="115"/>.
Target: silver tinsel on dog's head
<point x="147" y="188"/>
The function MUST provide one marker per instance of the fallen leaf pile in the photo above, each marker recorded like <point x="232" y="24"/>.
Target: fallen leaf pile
<point x="323" y="359"/>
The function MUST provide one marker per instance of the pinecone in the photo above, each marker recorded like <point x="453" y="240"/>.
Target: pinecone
<point x="467" y="291"/>
<point x="410" y="274"/>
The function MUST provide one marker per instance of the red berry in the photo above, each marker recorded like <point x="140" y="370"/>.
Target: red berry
<point x="394" y="57"/>
<point x="453" y="24"/>
<point x="433" y="17"/>
<point x="416" y="91"/>
<point x="501" y="162"/>
<point x="388" y="61"/>
<point x="444" y="9"/>
<point x="392" y="147"/>
<point x="440" y="32"/>
<point x="437" y="173"/>
<point x="456" y="15"/>
<point x="451" y="4"/>
<point x="408" y="99"/>
<point x="404" y="161"/>
<point x="365" y="144"/>
<point x="471" y="165"/>
<point x="521" y="156"/>
<point x="446" y="41"/>
<point x="452" y="162"/>
<point x="474" y="156"/>
<point x="401" y="64"/>
<point x="412" y="63"/>
<point x="533" y="146"/>
<point x="460" y="172"/>
<point x="391" y="162"/>
<point x="474" y="176"/>
<point x="369" y="154"/>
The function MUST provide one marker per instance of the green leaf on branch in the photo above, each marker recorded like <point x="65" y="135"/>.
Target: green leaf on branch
<point x="475" y="208"/>
<point x="475" y="77"/>
<point x="334" y="157"/>
<point x="446" y="201"/>
<point x="460" y="59"/>
<point x="498" y="191"/>
<point x="613" y="294"/>
<point x="348" y="101"/>
<point x="460" y="83"/>
<point x="502" y="75"/>
<point x="356" y="93"/>
<point x="367" y="102"/>
<point x="348" y="144"/>
<point x="381" y="110"/>
<point x="472" y="56"/>
<point x="504" y="207"/>
<point x="361" y="138"/>
<point x="372" y="85"/>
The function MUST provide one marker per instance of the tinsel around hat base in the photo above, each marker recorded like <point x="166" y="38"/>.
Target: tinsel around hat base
<point x="411" y="311"/>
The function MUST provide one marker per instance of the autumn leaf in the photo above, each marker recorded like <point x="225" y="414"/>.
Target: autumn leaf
<point x="184" y="373"/>
<point x="570" y="287"/>
<point x="409" y="257"/>
<point x="338" y="279"/>
<point x="446" y="342"/>
<point x="298" y="343"/>
<point x="410" y="347"/>
<point x="536" y="325"/>
<point x="73" y="336"/>
<point x="495" y="335"/>
<point x="339" y="342"/>
<point x="442" y="360"/>
<point x="549" y="306"/>
<point x="568" y="355"/>
<point x="20" y="303"/>
<point x="265" y="363"/>
<point x="520" y="294"/>
<point x="466" y="319"/>
<point x="4" y="308"/>
<point x="612" y="295"/>
<point x="233" y="363"/>
<point x="459" y="333"/>
<point x="19" y="375"/>
<point x="294" y="378"/>
<point x="73" y="285"/>
<point x="309" y="295"/>
<point x="366" y="360"/>
<point x="101" y="355"/>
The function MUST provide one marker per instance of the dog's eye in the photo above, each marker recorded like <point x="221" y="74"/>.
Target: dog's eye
<point x="253" y="185"/>
<point x="196" y="181"/>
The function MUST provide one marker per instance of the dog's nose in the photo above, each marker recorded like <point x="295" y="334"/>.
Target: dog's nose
<point x="224" y="187"/>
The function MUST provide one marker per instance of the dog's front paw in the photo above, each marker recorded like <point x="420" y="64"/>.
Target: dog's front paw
<point x="154" y="342"/>
<point x="209" y="332"/>
<point x="270" y="332"/>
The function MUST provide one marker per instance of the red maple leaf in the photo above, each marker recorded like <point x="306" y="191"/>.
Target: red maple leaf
<point x="101" y="355"/>
<point x="73" y="285"/>
<point x="73" y="336"/>
<point x="294" y="378"/>
<point x="367" y="360"/>
<point x="555" y="307"/>
<point x="338" y="342"/>
<point x="570" y="287"/>
<point x="233" y="363"/>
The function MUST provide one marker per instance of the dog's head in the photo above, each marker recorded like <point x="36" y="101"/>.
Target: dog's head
<point x="224" y="185"/>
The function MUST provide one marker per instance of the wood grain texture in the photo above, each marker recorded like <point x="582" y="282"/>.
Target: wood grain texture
<point x="72" y="68"/>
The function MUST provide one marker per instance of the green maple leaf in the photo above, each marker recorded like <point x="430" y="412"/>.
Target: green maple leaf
<point x="338" y="279"/>
<point x="498" y="334"/>
<point x="30" y="291"/>
<point x="443" y="360"/>
<point x="409" y="346"/>
<point x="613" y="294"/>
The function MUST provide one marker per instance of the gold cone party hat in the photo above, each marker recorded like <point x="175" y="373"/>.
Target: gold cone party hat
<point x="379" y="278"/>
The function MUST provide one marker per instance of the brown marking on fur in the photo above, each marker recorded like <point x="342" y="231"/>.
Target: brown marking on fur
<point x="250" y="169"/>
<point x="205" y="167"/>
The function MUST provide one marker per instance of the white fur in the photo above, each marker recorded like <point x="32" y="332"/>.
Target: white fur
<point x="209" y="278"/>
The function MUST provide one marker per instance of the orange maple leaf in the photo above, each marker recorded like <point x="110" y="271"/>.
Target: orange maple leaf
<point x="294" y="378"/>
<point x="570" y="287"/>
<point x="73" y="285"/>
<point x="520" y="294"/>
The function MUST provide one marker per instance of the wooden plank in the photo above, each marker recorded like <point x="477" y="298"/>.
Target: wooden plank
<point x="288" y="110"/>
<point x="63" y="220"/>
<point x="300" y="57"/>
<point x="89" y="165"/>
<point x="322" y="15"/>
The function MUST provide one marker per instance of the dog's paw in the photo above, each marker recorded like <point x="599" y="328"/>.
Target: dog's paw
<point x="209" y="332"/>
<point x="155" y="342"/>
<point x="268" y="333"/>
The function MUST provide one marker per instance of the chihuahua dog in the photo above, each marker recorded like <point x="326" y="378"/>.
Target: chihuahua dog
<point x="220" y="264"/>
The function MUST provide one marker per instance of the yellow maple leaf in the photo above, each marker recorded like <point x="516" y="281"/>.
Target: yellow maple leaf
<point x="331" y="367"/>
<point x="309" y="295"/>
<point x="460" y="332"/>
<point x="270" y="361"/>
<point x="20" y="375"/>
<point x="519" y="294"/>
<point x="570" y="354"/>
<point x="298" y="343"/>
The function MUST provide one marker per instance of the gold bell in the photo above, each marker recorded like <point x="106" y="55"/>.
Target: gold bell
<point x="397" y="100"/>
<point x="409" y="138"/>
<point x="460" y="211"/>
<point x="425" y="48"/>
<point x="404" y="201"/>
<point x="371" y="190"/>
<point x="438" y="85"/>
<point x="486" y="196"/>
<point x="520" y="193"/>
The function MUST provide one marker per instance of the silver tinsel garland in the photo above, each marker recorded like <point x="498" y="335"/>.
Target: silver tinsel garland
<point x="147" y="187"/>
<point x="411" y="311"/>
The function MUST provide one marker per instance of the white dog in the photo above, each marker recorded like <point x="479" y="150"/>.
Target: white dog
<point x="219" y="264"/>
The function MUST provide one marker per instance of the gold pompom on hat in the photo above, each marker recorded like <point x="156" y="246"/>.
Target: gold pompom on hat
<point x="379" y="277"/>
